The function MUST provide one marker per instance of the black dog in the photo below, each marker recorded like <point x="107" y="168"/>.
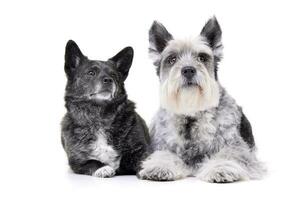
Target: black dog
<point x="101" y="132"/>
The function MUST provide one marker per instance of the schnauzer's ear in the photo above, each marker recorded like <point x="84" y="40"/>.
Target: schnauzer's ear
<point x="212" y="33"/>
<point x="158" y="38"/>
<point x="123" y="61"/>
<point x="73" y="57"/>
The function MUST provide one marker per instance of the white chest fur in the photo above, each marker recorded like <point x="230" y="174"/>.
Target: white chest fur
<point x="104" y="152"/>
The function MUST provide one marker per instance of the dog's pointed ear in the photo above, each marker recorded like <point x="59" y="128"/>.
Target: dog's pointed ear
<point x="123" y="61"/>
<point x="158" y="38"/>
<point x="73" y="57"/>
<point x="212" y="32"/>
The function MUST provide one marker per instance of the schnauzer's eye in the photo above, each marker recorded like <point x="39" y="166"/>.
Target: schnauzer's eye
<point x="171" y="59"/>
<point x="202" y="57"/>
<point x="91" y="73"/>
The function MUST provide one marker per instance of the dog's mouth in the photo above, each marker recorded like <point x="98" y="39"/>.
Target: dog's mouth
<point x="190" y="83"/>
<point x="102" y="95"/>
<point x="103" y="92"/>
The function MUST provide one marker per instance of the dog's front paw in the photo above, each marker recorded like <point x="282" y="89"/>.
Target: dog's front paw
<point x="220" y="176"/>
<point x="105" y="172"/>
<point x="156" y="174"/>
<point x="226" y="173"/>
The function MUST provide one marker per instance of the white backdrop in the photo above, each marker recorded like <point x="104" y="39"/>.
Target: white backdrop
<point x="260" y="69"/>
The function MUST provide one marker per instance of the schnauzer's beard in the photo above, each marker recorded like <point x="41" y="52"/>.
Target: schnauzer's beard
<point x="179" y="98"/>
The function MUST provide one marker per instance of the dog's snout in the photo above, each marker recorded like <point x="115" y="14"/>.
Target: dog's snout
<point x="188" y="71"/>
<point x="107" y="80"/>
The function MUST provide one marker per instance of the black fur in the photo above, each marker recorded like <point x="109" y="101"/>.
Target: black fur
<point x="216" y="63"/>
<point x="123" y="59"/>
<point x="73" y="58"/>
<point x="191" y="156"/>
<point x="123" y="128"/>
<point x="246" y="131"/>
<point x="186" y="129"/>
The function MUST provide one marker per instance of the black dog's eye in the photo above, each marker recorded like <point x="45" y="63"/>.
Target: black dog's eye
<point x="172" y="59"/>
<point x="202" y="57"/>
<point x="91" y="73"/>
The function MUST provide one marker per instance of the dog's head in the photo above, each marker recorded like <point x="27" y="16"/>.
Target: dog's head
<point x="94" y="80"/>
<point x="187" y="69"/>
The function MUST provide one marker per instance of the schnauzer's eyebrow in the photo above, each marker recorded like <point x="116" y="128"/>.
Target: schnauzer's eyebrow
<point x="171" y="53"/>
<point x="196" y="53"/>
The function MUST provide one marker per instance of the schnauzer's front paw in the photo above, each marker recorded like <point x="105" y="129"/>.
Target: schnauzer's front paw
<point x="223" y="174"/>
<point x="105" y="172"/>
<point x="156" y="174"/>
<point x="222" y="177"/>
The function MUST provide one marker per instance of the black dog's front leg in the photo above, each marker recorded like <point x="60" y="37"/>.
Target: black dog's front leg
<point x="87" y="167"/>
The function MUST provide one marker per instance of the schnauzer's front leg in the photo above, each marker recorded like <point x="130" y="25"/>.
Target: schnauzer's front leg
<point x="230" y="165"/>
<point x="221" y="171"/>
<point x="163" y="166"/>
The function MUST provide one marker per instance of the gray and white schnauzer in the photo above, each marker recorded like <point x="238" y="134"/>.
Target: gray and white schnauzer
<point x="199" y="129"/>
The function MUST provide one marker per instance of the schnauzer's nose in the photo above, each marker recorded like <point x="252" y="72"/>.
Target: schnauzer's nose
<point x="188" y="72"/>
<point x="107" y="80"/>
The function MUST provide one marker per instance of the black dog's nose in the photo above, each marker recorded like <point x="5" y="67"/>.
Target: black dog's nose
<point x="188" y="71"/>
<point x="107" y="80"/>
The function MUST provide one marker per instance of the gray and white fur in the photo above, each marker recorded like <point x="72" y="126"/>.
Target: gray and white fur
<point x="199" y="130"/>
